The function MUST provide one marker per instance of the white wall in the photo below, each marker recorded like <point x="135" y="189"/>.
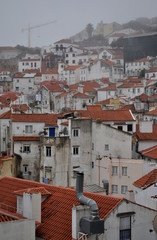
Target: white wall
<point x="18" y="230"/>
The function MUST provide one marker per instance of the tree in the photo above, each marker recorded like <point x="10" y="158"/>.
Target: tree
<point x="89" y="29"/>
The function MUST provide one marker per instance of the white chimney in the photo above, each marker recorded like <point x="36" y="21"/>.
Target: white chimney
<point x="32" y="206"/>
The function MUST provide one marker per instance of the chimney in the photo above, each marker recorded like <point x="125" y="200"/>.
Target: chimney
<point x="32" y="206"/>
<point x="91" y="224"/>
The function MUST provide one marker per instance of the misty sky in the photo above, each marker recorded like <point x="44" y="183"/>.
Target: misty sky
<point x="71" y="17"/>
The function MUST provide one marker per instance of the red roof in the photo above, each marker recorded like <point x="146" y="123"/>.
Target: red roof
<point x="52" y="86"/>
<point x="147" y="180"/>
<point x="152" y="112"/>
<point x="95" y="112"/>
<point x="71" y="68"/>
<point x="56" y="218"/>
<point x="51" y="71"/>
<point x="26" y="138"/>
<point x="6" y="115"/>
<point x="6" y="216"/>
<point x="44" y="118"/>
<point x="142" y="60"/>
<point x="7" y="97"/>
<point x="109" y="88"/>
<point x="150" y="152"/>
<point x="131" y="85"/>
<point x="132" y="80"/>
<point x="108" y="62"/>
<point x="143" y="97"/>
<point x="41" y="190"/>
<point x="129" y="107"/>
<point x="21" y="108"/>
<point x="142" y="136"/>
<point x="81" y="95"/>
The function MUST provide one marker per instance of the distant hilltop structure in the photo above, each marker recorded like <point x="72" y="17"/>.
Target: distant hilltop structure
<point x="102" y="29"/>
<point x="105" y="29"/>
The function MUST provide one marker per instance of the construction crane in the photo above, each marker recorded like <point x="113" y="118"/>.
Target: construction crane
<point x="33" y="27"/>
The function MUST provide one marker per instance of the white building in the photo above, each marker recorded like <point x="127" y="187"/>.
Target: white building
<point x="30" y="62"/>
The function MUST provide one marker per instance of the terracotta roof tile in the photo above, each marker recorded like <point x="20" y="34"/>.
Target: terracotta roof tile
<point x="6" y="115"/>
<point x="56" y="219"/>
<point x="131" y="85"/>
<point x="150" y="152"/>
<point x="152" y="112"/>
<point x="147" y="180"/>
<point x="142" y="136"/>
<point x="41" y="190"/>
<point x="109" y="88"/>
<point x="44" y="118"/>
<point x="81" y="95"/>
<point x="95" y="112"/>
<point x="71" y="68"/>
<point x="26" y="138"/>
<point x="64" y="41"/>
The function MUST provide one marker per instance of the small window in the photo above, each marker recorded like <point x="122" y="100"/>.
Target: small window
<point x="124" y="189"/>
<point x="120" y="128"/>
<point x="26" y="149"/>
<point x="129" y="127"/>
<point x="17" y="80"/>
<point x="67" y="55"/>
<point x="114" y="188"/>
<point x="31" y="64"/>
<point x="25" y="168"/>
<point x="75" y="150"/>
<point x="125" y="228"/>
<point x="73" y="61"/>
<point x="114" y="170"/>
<point x="35" y="64"/>
<point x="48" y="151"/>
<point x="92" y="146"/>
<point x="17" y="89"/>
<point x="106" y="147"/>
<point x="28" y="128"/>
<point x="76" y="132"/>
<point x="124" y="171"/>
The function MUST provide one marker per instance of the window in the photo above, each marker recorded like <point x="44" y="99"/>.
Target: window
<point x="125" y="228"/>
<point x="73" y="54"/>
<point x="26" y="149"/>
<point x="28" y="128"/>
<point x="17" y="89"/>
<point x="124" y="189"/>
<point x="17" y="80"/>
<point x="73" y="61"/>
<point x="35" y="64"/>
<point x="29" y="80"/>
<point x="76" y="132"/>
<point x="92" y="146"/>
<point x="48" y="173"/>
<point x="120" y="128"/>
<point x="124" y="171"/>
<point x="106" y="147"/>
<point x="48" y="151"/>
<point x="114" y="188"/>
<point x="25" y="168"/>
<point x="67" y="55"/>
<point x="129" y="127"/>
<point x="114" y="170"/>
<point x="75" y="150"/>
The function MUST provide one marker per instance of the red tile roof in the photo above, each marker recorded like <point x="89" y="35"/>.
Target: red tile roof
<point x="6" y="216"/>
<point x="6" y="115"/>
<point x="81" y="95"/>
<point x="21" y="108"/>
<point x="53" y="86"/>
<point x="131" y="85"/>
<point x="56" y="219"/>
<point x="26" y="138"/>
<point x="132" y="80"/>
<point x="109" y="88"/>
<point x="143" y="97"/>
<point x="95" y="112"/>
<point x="152" y="112"/>
<point x="142" y="60"/>
<point x="8" y="96"/>
<point x="108" y="62"/>
<point x="145" y="136"/>
<point x="71" y="68"/>
<point x="51" y="71"/>
<point x="147" y="180"/>
<point x="44" y="118"/>
<point x="150" y="152"/>
<point x="129" y="107"/>
<point x="41" y="190"/>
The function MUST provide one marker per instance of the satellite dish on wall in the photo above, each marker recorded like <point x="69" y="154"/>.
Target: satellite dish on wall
<point x="155" y="224"/>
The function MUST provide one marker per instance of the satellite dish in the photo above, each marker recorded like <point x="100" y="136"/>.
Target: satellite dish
<point x="155" y="224"/>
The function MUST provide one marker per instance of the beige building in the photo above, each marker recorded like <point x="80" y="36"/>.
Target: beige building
<point x="120" y="173"/>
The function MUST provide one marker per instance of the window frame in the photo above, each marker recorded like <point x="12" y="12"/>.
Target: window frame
<point x="124" y="171"/>
<point x="26" y="148"/>
<point x="114" y="188"/>
<point x="76" y="132"/>
<point x="75" y="150"/>
<point x="48" y="151"/>
<point x="124" y="189"/>
<point x="125" y="228"/>
<point x="114" y="172"/>
<point x="28" y="128"/>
